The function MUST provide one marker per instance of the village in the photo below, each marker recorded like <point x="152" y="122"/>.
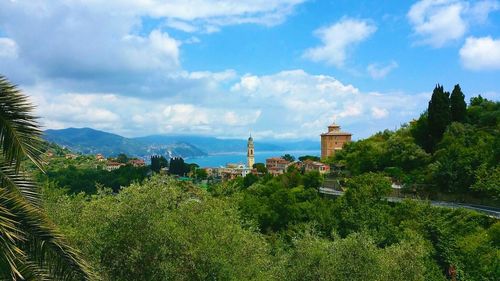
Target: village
<point x="331" y="141"/>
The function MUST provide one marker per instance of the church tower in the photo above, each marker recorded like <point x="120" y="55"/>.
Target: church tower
<point x="250" y="153"/>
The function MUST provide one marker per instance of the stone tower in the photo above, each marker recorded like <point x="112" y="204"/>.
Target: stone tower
<point x="333" y="141"/>
<point x="250" y="153"/>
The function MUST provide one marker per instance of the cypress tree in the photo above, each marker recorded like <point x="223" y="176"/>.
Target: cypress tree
<point x="457" y="105"/>
<point x="439" y="116"/>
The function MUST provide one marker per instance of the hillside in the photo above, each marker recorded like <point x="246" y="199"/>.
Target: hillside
<point x="90" y="141"/>
<point x="212" y="145"/>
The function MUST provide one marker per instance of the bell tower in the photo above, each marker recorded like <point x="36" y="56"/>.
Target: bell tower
<point x="250" y="153"/>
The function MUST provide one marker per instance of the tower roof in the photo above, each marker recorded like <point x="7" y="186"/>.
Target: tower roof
<point x="334" y="130"/>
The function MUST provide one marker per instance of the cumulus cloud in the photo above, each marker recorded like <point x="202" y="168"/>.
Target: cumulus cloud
<point x="337" y="39"/>
<point x="481" y="53"/>
<point x="379" y="71"/>
<point x="286" y="104"/>
<point x="439" y="22"/>
<point x="379" y="113"/>
<point x="116" y="45"/>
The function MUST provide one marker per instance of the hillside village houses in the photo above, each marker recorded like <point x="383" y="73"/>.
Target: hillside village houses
<point x="331" y="141"/>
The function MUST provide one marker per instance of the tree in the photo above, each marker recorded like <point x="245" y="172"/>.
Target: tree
<point x="249" y="179"/>
<point x="122" y="158"/>
<point x="439" y="116"/>
<point x="260" y="167"/>
<point x="288" y="157"/>
<point x="158" y="162"/>
<point x="178" y="167"/>
<point x="312" y="179"/>
<point x="30" y="246"/>
<point x="458" y="106"/>
<point x="309" y="157"/>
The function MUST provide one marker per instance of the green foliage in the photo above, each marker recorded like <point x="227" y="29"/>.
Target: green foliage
<point x="309" y="157"/>
<point x="460" y="153"/>
<point x="122" y="158"/>
<point x="353" y="258"/>
<point x="458" y="107"/>
<point x="85" y="179"/>
<point x="433" y="157"/>
<point x="288" y="157"/>
<point x="162" y="230"/>
<point x="312" y="179"/>
<point x="249" y="179"/>
<point x="158" y="162"/>
<point x="261" y="168"/>
<point x="178" y="167"/>
<point x="439" y="116"/>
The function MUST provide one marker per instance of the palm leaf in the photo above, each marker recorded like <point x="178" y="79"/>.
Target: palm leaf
<point x="19" y="182"/>
<point x="31" y="248"/>
<point x="35" y="243"/>
<point x="19" y="132"/>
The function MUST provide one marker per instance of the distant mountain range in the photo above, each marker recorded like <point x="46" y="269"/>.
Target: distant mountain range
<point x="90" y="141"/>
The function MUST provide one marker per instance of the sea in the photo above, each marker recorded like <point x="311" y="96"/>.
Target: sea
<point x="221" y="159"/>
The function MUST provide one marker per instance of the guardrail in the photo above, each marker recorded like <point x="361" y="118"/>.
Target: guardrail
<point x="490" y="211"/>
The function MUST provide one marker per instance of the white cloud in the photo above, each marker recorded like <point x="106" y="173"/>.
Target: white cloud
<point x="117" y="44"/>
<point x="378" y="71"/>
<point x="337" y="39"/>
<point x="379" y="113"/>
<point x="439" y="22"/>
<point x="8" y="48"/>
<point x="247" y="83"/>
<point x="481" y="10"/>
<point x="481" y="53"/>
<point x="287" y="104"/>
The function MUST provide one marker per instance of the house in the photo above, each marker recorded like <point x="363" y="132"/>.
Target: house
<point x="310" y="165"/>
<point x="110" y="166"/>
<point x="99" y="157"/>
<point x="71" y="156"/>
<point x="137" y="163"/>
<point x="277" y="165"/>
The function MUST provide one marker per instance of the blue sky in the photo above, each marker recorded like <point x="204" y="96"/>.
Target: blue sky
<point x="275" y="68"/>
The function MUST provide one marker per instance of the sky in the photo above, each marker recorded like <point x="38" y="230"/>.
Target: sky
<point x="276" y="69"/>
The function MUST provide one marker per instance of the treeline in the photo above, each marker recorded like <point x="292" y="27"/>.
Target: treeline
<point x="276" y="229"/>
<point x="77" y="179"/>
<point x="452" y="150"/>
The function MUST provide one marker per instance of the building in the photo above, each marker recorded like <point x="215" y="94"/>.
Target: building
<point x="110" y="166"/>
<point x="276" y="165"/>
<point x="137" y="162"/>
<point x="250" y="153"/>
<point x="333" y="140"/>
<point x="315" y="166"/>
<point x="99" y="157"/>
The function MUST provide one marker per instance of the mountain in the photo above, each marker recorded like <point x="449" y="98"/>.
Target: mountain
<point x="213" y="145"/>
<point x="90" y="141"/>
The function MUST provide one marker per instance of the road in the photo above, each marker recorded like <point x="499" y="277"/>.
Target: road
<point x="490" y="211"/>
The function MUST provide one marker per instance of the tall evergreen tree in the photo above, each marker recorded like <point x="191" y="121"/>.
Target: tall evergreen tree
<point x="458" y="106"/>
<point x="439" y="116"/>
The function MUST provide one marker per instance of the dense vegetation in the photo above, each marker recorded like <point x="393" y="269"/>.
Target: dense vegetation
<point x="452" y="150"/>
<point x="276" y="229"/>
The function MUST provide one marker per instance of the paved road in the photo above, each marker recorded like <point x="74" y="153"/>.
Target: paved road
<point x="490" y="211"/>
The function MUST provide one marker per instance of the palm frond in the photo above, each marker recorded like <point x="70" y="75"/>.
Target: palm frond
<point x="19" y="182"/>
<point x="19" y="131"/>
<point x="38" y="244"/>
